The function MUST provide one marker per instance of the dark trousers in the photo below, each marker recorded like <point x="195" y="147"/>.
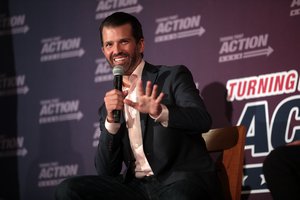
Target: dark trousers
<point x="282" y="172"/>
<point x="106" y="188"/>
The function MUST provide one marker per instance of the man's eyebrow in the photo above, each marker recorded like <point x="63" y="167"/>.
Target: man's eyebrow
<point x="107" y="42"/>
<point x="127" y="38"/>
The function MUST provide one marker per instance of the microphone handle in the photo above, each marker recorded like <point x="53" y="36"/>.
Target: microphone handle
<point x="117" y="115"/>
<point x="118" y="79"/>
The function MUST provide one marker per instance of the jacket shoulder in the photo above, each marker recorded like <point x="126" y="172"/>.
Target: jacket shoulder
<point x="174" y="68"/>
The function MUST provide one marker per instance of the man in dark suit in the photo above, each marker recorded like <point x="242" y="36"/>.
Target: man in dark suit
<point x="158" y="138"/>
<point x="282" y="171"/>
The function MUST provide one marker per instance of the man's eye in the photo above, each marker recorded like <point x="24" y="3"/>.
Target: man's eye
<point x="108" y="45"/>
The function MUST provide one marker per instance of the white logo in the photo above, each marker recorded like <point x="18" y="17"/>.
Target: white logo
<point x="51" y="174"/>
<point x="54" y="110"/>
<point x="57" y="48"/>
<point x="238" y="47"/>
<point x="97" y="133"/>
<point x="295" y="8"/>
<point x="173" y="27"/>
<point x="12" y="146"/>
<point x="13" y="85"/>
<point x="103" y="71"/>
<point x="13" y="25"/>
<point x="107" y="7"/>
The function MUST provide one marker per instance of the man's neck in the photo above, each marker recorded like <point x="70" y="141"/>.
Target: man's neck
<point x="126" y="81"/>
<point x="126" y="78"/>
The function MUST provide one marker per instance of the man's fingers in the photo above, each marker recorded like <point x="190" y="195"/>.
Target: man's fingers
<point x="130" y="103"/>
<point x="140" y="90"/>
<point x="160" y="97"/>
<point x="148" y="88"/>
<point x="114" y="100"/>
<point x="125" y="93"/>
<point x="154" y="92"/>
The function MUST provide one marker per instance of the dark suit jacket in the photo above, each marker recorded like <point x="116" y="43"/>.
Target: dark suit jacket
<point x="175" y="152"/>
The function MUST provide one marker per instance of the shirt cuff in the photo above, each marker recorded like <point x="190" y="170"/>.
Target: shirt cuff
<point x="112" y="128"/>
<point x="163" y="118"/>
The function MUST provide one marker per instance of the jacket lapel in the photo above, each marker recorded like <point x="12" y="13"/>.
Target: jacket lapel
<point x="150" y="73"/>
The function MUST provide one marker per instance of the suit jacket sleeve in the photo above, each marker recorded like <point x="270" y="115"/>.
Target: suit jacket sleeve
<point x="186" y="108"/>
<point x="108" y="159"/>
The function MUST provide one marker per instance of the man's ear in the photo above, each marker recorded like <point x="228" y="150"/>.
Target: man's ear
<point x="141" y="45"/>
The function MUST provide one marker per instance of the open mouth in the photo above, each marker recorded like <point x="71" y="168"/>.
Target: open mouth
<point x="119" y="60"/>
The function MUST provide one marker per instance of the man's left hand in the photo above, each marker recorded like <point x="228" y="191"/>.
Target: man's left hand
<point x="148" y="101"/>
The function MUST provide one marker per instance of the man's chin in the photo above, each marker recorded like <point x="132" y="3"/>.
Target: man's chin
<point x="119" y="64"/>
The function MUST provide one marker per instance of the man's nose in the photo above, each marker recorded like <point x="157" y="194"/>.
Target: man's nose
<point x="117" y="49"/>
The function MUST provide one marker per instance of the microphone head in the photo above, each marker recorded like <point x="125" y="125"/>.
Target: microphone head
<point x="118" y="70"/>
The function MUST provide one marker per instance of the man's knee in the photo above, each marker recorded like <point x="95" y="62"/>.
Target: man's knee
<point x="275" y="162"/>
<point x="67" y="189"/>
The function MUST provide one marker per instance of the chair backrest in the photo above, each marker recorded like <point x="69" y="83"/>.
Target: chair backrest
<point x="230" y="141"/>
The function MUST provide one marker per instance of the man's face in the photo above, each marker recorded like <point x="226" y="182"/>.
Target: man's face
<point x="120" y="47"/>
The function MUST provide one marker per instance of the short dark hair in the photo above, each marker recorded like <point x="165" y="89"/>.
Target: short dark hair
<point x="119" y="19"/>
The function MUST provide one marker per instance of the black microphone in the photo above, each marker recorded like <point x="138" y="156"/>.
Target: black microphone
<point x="118" y="72"/>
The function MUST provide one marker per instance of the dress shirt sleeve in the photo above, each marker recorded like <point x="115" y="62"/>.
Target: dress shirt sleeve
<point x="163" y="118"/>
<point x="112" y="127"/>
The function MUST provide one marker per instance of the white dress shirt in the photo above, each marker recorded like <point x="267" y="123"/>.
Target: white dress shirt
<point x="132" y="117"/>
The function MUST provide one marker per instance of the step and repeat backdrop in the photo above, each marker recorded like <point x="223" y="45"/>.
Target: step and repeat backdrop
<point x="244" y="56"/>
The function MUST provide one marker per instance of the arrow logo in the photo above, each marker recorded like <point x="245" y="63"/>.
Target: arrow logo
<point x="59" y="118"/>
<point x="194" y="32"/>
<point x="134" y="9"/>
<point x="17" y="30"/>
<point x="183" y="34"/>
<point x="14" y="91"/>
<point x="17" y="152"/>
<point x="63" y="55"/>
<point x="249" y="54"/>
<point x="259" y="52"/>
